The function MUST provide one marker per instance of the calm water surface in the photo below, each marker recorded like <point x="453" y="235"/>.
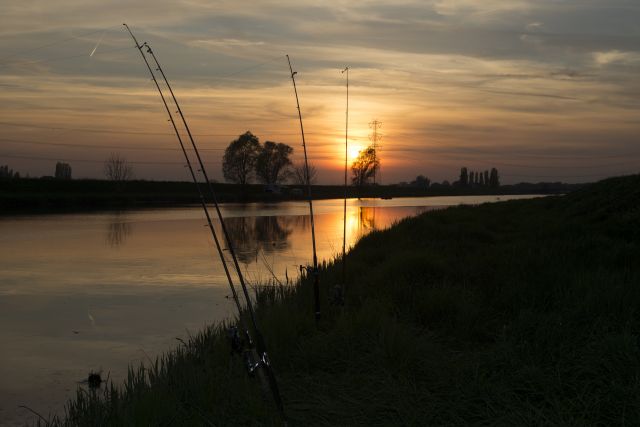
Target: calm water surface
<point x="98" y="292"/>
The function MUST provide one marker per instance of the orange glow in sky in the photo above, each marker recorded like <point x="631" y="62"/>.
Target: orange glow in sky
<point x="525" y="86"/>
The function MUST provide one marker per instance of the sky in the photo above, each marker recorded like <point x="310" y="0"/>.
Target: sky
<point x="544" y="90"/>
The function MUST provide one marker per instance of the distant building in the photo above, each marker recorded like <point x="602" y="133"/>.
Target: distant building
<point x="63" y="171"/>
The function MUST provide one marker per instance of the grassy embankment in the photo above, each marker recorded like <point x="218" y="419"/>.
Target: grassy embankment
<point x="516" y="313"/>
<point x="50" y="195"/>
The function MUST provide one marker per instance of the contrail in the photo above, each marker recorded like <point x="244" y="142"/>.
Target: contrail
<point x="97" y="44"/>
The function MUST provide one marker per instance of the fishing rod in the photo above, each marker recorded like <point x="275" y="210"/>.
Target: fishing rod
<point x="263" y="358"/>
<point x="193" y="175"/>
<point x="344" y="213"/>
<point x="263" y="361"/>
<point x="316" y="284"/>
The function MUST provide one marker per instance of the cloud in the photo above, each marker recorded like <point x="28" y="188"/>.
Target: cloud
<point x="615" y="56"/>
<point x="227" y="43"/>
<point x="531" y="26"/>
<point x="455" y="7"/>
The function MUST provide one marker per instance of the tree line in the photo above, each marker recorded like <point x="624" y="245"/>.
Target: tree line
<point x="246" y="160"/>
<point x="478" y="179"/>
<point x="467" y="179"/>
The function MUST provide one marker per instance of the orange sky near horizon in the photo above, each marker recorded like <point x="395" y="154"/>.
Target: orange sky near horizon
<point x="535" y="89"/>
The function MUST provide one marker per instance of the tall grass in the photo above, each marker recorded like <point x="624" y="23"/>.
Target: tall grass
<point x="517" y="313"/>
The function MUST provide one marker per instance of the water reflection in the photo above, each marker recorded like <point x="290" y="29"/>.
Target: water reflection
<point x="118" y="230"/>
<point x="268" y="234"/>
<point x="367" y="218"/>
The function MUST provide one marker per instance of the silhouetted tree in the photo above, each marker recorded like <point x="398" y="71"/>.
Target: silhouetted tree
<point x="486" y="178"/>
<point x="239" y="161"/>
<point x="472" y="177"/>
<point x="421" y="181"/>
<point x="300" y="174"/>
<point x="481" y="183"/>
<point x="464" y="177"/>
<point x="116" y="168"/>
<point x="273" y="165"/>
<point x="364" y="166"/>
<point x="494" y="180"/>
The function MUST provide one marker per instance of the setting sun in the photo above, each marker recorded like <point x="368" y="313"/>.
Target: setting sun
<point x="354" y="150"/>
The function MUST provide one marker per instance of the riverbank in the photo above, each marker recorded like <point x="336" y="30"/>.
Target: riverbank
<point x="50" y="195"/>
<point x="514" y="313"/>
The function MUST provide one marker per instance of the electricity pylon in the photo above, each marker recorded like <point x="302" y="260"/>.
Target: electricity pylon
<point x="375" y="138"/>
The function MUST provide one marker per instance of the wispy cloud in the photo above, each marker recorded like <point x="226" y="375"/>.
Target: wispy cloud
<point x="226" y="43"/>
<point x="616" y="56"/>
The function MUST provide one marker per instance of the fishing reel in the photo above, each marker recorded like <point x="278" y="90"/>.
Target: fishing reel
<point x="252" y="364"/>
<point x="239" y="346"/>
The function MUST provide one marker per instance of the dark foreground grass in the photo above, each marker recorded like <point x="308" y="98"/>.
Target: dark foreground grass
<point x="517" y="313"/>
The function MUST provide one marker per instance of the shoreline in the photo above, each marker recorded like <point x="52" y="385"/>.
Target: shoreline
<point x="521" y="312"/>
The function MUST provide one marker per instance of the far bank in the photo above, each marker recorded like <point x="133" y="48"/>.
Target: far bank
<point x="50" y="195"/>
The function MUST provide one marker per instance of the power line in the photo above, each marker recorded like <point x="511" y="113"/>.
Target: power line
<point x="134" y="162"/>
<point x="593" y="175"/>
<point x="55" y="159"/>
<point x="375" y="137"/>
<point x="134" y="148"/>
<point x="556" y="166"/>
<point x="133" y="132"/>
<point x="492" y="163"/>
<point x="540" y="156"/>
<point x="100" y="147"/>
<point x="244" y="70"/>
<point x="109" y="131"/>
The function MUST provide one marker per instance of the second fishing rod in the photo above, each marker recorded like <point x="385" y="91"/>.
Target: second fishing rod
<point x="314" y="272"/>
<point x="263" y="361"/>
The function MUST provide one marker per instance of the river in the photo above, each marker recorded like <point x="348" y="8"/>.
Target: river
<point x="101" y="291"/>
